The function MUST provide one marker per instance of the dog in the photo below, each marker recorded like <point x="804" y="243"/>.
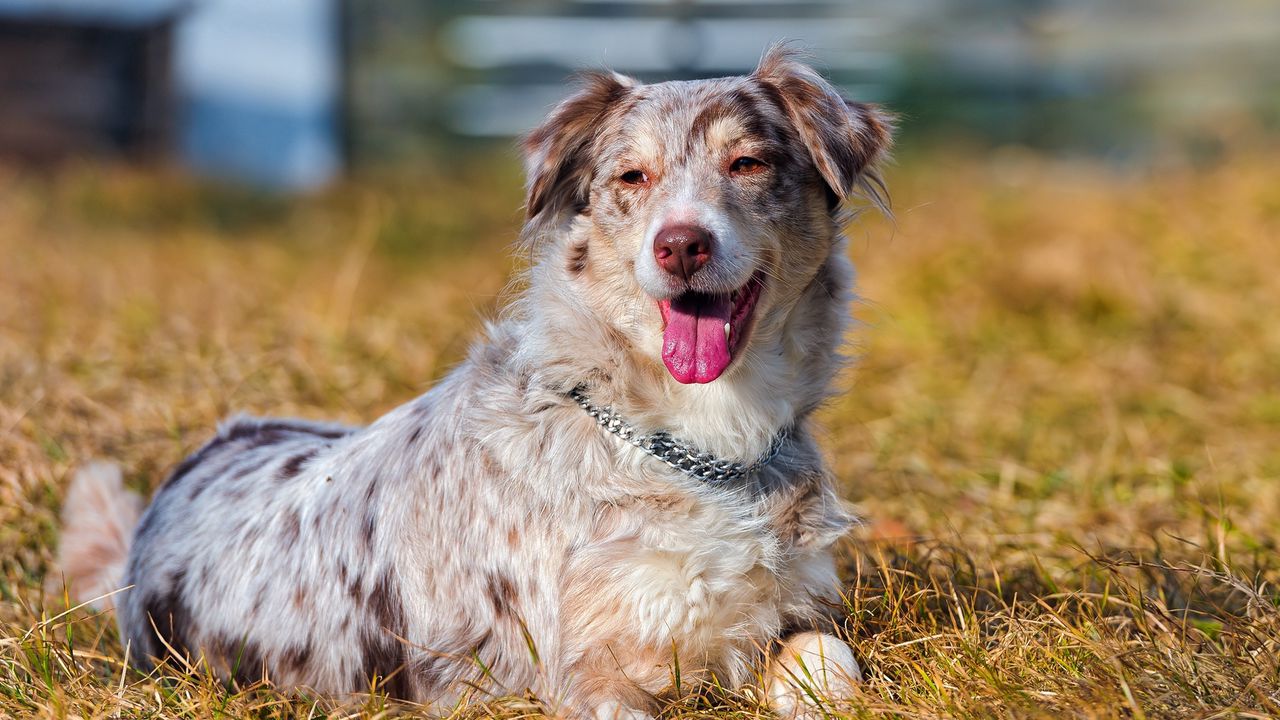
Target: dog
<point x="618" y="486"/>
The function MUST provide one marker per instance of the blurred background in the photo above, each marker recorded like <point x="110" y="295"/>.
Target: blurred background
<point x="294" y="94"/>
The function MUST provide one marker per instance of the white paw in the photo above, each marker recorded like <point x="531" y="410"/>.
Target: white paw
<point x="619" y="711"/>
<point x="811" y="670"/>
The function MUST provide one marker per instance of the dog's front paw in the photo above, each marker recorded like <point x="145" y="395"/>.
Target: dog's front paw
<point x="808" y="672"/>
<point x="613" y="710"/>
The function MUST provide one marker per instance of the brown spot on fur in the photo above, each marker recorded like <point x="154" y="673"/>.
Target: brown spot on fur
<point x="223" y="470"/>
<point x="293" y="465"/>
<point x="513" y="537"/>
<point x="384" y="652"/>
<point x="292" y="528"/>
<point x="369" y="529"/>
<point x="492" y="467"/>
<point x="622" y="200"/>
<point x="708" y="116"/>
<point x="269" y="431"/>
<point x="578" y="259"/>
<point x="257" y="436"/>
<point x="355" y="590"/>
<point x="187" y="465"/>
<point x="502" y="593"/>
<point x="384" y="602"/>
<point x="296" y="658"/>
<point x="243" y="660"/>
<point x="171" y="621"/>
<point x="384" y="662"/>
<point x="482" y="641"/>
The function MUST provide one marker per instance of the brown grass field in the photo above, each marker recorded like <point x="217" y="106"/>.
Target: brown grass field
<point x="1063" y="429"/>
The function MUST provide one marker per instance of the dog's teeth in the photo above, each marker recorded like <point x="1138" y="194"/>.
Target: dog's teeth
<point x="726" y="332"/>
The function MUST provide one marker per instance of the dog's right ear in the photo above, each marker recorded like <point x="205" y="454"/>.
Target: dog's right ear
<point x="557" y="152"/>
<point x="846" y="140"/>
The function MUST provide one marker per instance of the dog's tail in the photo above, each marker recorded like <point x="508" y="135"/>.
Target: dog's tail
<point x="98" y="518"/>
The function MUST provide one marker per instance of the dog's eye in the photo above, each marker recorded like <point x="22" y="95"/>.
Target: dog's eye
<point x="746" y="165"/>
<point x="634" y="177"/>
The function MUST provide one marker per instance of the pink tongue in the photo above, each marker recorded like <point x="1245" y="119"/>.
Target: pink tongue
<point x="694" y="347"/>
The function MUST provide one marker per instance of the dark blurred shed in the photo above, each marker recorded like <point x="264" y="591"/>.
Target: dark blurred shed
<point x="86" y="78"/>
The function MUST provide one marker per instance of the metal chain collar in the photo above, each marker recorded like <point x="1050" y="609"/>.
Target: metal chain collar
<point x="679" y="455"/>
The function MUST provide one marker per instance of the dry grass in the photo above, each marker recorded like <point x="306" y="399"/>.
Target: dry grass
<point x="1065" y="427"/>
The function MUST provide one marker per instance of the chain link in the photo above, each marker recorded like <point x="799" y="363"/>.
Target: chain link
<point x="679" y="455"/>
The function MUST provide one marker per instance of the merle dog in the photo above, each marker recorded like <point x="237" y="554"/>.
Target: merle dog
<point x="621" y="476"/>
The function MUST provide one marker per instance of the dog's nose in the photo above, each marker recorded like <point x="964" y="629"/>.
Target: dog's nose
<point x="682" y="249"/>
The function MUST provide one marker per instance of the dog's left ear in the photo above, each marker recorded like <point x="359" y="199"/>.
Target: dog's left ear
<point x="557" y="152"/>
<point x="845" y="139"/>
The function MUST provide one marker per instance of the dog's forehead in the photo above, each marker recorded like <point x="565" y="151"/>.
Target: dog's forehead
<point x="715" y="110"/>
<point x="688" y="93"/>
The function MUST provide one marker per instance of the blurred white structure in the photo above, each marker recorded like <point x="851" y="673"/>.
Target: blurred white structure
<point x="260" y="85"/>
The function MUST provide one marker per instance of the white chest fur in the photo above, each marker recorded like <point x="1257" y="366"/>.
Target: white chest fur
<point x="696" y="581"/>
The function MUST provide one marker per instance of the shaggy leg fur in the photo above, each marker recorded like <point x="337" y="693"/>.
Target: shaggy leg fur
<point x="810" y="664"/>
<point x="98" y="520"/>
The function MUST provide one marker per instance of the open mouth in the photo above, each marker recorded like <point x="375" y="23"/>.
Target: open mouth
<point x="702" y="332"/>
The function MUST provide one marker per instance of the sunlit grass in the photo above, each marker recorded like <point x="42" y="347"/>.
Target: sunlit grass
<point x="1064" y="429"/>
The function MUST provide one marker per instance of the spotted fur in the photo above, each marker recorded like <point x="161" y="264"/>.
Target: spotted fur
<point x="488" y="536"/>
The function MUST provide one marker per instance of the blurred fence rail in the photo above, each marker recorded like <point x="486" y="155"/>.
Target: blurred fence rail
<point x="521" y="58"/>
<point x="1085" y="75"/>
<point x="491" y="68"/>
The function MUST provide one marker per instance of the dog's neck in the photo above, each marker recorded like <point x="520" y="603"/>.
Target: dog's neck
<point x="786" y="371"/>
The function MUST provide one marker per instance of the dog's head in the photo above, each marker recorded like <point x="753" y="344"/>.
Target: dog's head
<point x="694" y="211"/>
